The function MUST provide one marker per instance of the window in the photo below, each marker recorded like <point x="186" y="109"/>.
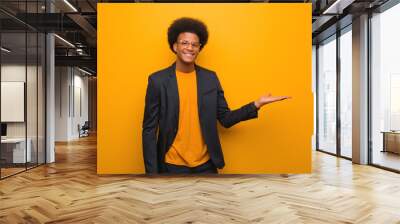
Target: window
<point x="346" y="93"/>
<point x="385" y="88"/>
<point x="327" y="95"/>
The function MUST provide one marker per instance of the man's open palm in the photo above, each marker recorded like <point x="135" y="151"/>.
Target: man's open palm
<point x="268" y="98"/>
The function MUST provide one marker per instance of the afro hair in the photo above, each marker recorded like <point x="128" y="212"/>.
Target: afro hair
<point x="190" y="25"/>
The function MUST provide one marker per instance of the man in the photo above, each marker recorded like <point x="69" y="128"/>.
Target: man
<point x="183" y="103"/>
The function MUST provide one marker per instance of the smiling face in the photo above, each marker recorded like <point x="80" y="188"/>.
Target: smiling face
<point x="187" y="47"/>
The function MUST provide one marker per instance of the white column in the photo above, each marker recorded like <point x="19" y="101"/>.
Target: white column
<point x="50" y="100"/>
<point x="360" y="90"/>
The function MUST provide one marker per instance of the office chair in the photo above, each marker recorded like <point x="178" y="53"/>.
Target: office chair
<point x="84" y="130"/>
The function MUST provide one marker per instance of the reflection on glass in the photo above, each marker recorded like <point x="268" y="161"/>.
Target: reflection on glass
<point x="22" y="90"/>
<point x="15" y="150"/>
<point x="327" y="96"/>
<point x="31" y="101"/>
<point x="346" y="94"/>
<point x="386" y="88"/>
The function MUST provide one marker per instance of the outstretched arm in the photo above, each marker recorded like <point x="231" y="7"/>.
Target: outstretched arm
<point x="228" y="117"/>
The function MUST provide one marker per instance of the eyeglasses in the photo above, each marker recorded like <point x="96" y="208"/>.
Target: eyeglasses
<point x="186" y="44"/>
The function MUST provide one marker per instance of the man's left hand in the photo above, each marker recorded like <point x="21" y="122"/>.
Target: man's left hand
<point x="268" y="98"/>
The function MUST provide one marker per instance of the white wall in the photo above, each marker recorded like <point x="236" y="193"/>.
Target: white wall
<point x="16" y="73"/>
<point x="81" y="102"/>
<point x="71" y="102"/>
<point x="33" y="127"/>
<point x="62" y="81"/>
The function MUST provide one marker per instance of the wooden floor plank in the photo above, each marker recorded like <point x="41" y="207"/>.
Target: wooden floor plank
<point x="70" y="191"/>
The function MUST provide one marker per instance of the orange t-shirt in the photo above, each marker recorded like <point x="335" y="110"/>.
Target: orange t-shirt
<point x="188" y="148"/>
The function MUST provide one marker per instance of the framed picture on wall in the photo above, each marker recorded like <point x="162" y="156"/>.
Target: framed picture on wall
<point x="12" y="101"/>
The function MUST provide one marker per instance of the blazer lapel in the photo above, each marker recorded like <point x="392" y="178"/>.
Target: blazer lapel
<point x="172" y="91"/>
<point x="201" y="87"/>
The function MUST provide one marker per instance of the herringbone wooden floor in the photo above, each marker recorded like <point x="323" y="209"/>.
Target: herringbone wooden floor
<point x="69" y="191"/>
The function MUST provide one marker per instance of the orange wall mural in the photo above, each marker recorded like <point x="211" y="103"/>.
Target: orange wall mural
<point x="254" y="48"/>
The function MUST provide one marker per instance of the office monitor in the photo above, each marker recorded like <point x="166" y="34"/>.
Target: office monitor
<point x="3" y="129"/>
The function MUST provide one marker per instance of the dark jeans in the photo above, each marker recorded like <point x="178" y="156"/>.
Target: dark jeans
<point x="207" y="167"/>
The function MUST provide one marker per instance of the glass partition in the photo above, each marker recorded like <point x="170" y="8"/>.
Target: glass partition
<point x="14" y="145"/>
<point x="385" y="89"/>
<point x="346" y="93"/>
<point x="327" y="95"/>
<point x="22" y="77"/>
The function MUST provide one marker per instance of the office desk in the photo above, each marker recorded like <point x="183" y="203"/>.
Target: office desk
<point x="13" y="150"/>
<point x="391" y="141"/>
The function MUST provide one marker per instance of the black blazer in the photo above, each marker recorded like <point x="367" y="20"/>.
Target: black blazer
<point x="161" y="113"/>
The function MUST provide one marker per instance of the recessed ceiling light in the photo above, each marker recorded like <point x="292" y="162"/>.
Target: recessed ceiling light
<point x="84" y="71"/>
<point x="5" y="50"/>
<point x="71" y="6"/>
<point x="64" y="40"/>
<point x="338" y="6"/>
